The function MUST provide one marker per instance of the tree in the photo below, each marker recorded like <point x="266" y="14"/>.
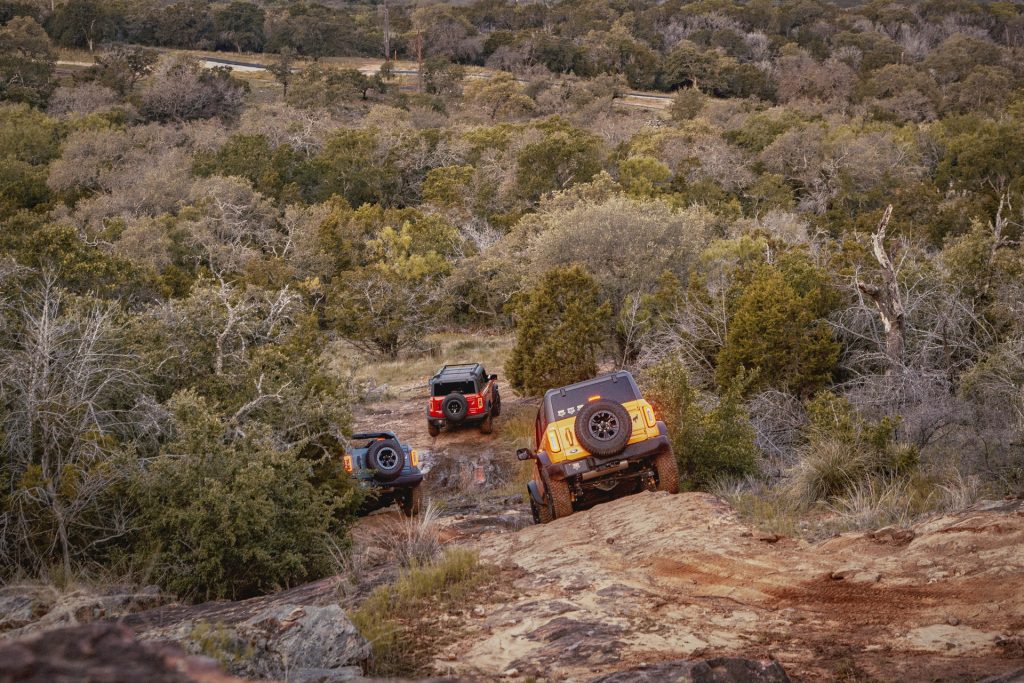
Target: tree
<point x="777" y="334"/>
<point x="382" y="313"/>
<point x="563" y="156"/>
<point x="72" y="408"/>
<point x="560" y="325"/>
<point x="282" y="68"/>
<point x="239" y="25"/>
<point x="499" y="94"/>
<point x="122" y="66"/>
<point x="182" y="90"/>
<point x="887" y="298"/>
<point x="186" y="24"/>
<point x="319" y="86"/>
<point x="28" y="142"/>
<point x="621" y="242"/>
<point x="711" y="445"/>
<point x="83" y="23"/>
<point x="27" y="61"/>
<point x="439" y="76"/>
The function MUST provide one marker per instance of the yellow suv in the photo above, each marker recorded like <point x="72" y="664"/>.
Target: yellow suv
<point x="594" y="441"/>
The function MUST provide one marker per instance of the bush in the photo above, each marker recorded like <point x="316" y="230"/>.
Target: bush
<point x="559" y="328"/>
<point x="182" y="90"/>
<point x="232" y="519"/>
<point x="776" y="330"/>
<point x="843" y="451"/>
<point x="710" y="445"/>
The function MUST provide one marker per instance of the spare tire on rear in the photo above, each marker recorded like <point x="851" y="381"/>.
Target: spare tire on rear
<point x="603" y="427"/>
<point x="455" y="407"/>
<point x="386" y="458"/>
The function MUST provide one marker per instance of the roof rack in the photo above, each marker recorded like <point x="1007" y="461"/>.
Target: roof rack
<point x="456" y="367"/>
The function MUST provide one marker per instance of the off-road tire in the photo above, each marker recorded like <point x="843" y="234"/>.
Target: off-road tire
<point x="667" y="470"/>
<point x="455" y="407"/>
<point x="411" y="502"/>
<point x="487" y="426"/>
<point x="433" y="429"/>
<point x="496" y="404"/>
<point x="603" y="427"/>
<point x="386" y="458"/>
<point x="559" y="497"/>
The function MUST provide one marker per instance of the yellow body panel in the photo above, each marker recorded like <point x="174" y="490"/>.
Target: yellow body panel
<point x="569" y="449"/>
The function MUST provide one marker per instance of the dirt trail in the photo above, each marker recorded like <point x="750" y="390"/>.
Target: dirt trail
<point x="656" y="577"/>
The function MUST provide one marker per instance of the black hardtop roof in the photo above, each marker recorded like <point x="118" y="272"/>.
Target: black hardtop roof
<point x="466" y="370"/>
<point x="373" y="435"/>
<point x="617" y="376"/>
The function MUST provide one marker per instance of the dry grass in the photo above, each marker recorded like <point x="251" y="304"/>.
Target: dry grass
<point x="767" y="508"/>
<point x="408" y="375"/>
<point x="826" y="470"/>
<point x="871" y="502"/>
<point x="388" y="618"/>
<point x="413" y="541"/>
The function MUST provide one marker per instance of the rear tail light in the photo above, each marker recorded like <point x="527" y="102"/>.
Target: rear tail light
<point x="553" y="440"/>
<point x="567" y="435"/>
<point x="649" y="416"/>
<point x="348" y="463"/>
<point x="414" y="458"/>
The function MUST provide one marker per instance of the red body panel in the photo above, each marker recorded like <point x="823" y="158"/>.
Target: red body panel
<point x="477" y="403"/>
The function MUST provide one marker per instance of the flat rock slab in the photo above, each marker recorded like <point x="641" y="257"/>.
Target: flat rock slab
<point x="720" y="670"/>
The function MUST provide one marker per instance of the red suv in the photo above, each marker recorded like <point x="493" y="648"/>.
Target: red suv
<point x="463" y="394"/>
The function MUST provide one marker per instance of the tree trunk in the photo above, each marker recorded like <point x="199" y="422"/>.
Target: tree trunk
<point x="887" y="298"/>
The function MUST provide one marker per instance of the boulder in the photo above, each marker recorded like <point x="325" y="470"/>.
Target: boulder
<point x="718" y="670"/>
<point x="306" y="643"/>
<point x="101" y="652"/>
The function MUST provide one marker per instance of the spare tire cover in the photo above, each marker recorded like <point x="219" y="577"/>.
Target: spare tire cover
<point x="386" y="458"/>
<point x="603" y="427"/>
<point x="455" y="407"/>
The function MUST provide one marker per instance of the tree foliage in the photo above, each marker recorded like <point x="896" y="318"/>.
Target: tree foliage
<point x="559" y="327"/>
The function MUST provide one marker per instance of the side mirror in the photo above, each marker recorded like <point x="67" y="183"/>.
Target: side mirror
<point x="493" y="378"/>
<point x="524" y="454"/>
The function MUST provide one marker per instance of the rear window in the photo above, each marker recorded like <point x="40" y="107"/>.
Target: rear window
<point x="445" y="388"/>
<point x="567" y="405"/>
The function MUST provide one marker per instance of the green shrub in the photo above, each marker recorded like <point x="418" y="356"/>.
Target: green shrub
<point x="776" y="330"/>
<point x="710" y="444"/>
<point x="232" y="518"/>
<point x="560" y="326"/>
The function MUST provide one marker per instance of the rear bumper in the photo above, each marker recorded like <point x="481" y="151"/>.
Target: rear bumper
<point x="468" y="420"/>
<point x="402" y="481"/>
<point x="633" y="453"/>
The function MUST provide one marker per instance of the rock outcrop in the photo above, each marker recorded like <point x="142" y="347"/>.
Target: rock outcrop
<point x="301" y="633"/>
<point x="101" y="652"/>
<point x="656" y="577"/>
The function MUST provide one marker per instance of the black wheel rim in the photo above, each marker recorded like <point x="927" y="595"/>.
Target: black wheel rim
<point x="603" y="425"/>
<point x="454" y="408"/>
<point x="387" y="458"/>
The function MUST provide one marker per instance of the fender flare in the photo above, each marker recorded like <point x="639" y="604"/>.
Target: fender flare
<point x="531" y="486"/>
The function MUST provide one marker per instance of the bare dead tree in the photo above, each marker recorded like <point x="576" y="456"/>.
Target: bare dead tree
<point x="693" y="333"/>
<point x="887" y="297"/>
<point x="66" y="408"/>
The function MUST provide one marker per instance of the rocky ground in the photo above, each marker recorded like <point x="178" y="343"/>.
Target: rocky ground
<point x="655" y="577"/>
<point x="648" y="588"/>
